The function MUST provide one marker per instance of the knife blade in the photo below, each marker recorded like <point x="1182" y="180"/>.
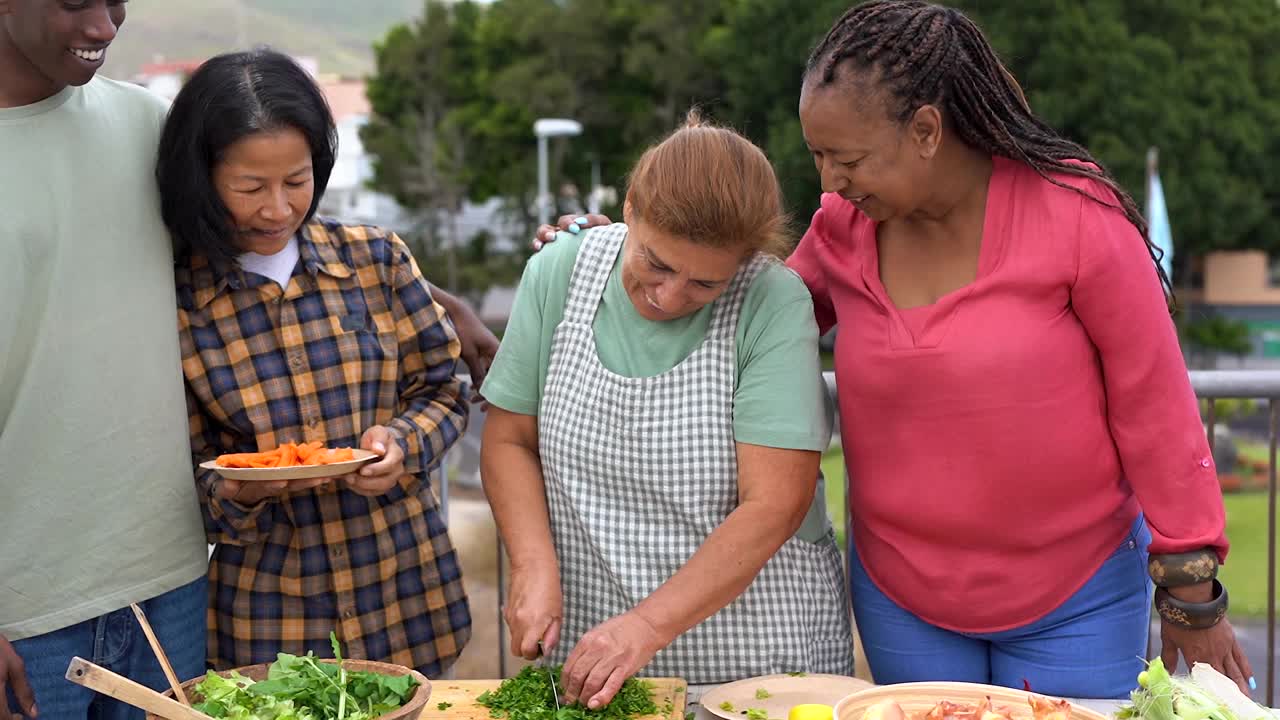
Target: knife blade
<point x="542" y="662"/>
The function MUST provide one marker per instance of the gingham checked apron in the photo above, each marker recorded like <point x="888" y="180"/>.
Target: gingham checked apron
<point x="640" y="471"/>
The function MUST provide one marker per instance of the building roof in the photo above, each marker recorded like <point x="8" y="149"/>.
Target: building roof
<point x="167" y="67"/>
<point x="346" y="97"/>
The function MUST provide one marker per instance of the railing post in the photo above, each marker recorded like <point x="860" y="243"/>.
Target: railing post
<point x="1274" y="409"/>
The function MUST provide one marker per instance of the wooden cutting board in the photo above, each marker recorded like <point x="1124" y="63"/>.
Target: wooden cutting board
<point x="461" y="696"/>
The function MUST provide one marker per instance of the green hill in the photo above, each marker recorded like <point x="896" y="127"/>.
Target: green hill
<point x="338" y="33"/>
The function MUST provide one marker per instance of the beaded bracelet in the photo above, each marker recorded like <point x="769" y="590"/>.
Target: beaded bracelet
<point x="1196" y="616"/>
<point x="1183" y="569"/>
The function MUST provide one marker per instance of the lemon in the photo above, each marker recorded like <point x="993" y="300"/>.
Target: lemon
<point x="811" y="711"/>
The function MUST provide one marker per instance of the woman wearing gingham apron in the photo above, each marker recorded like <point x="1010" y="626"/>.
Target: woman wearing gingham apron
<point x="655" y="436"/>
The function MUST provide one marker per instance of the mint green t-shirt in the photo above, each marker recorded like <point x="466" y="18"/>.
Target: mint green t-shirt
<point x="780" y="400"/>
<point x="98" y="506"/>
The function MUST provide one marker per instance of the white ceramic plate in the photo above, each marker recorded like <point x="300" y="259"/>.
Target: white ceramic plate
<point x="784" y="692"/>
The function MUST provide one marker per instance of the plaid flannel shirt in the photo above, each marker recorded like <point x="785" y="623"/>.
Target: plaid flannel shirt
<point x="354" y="341"/>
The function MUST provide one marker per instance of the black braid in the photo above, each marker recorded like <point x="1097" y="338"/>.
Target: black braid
<point x="926" y="54"/>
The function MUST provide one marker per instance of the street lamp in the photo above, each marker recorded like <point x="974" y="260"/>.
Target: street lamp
<point x="543" y="129"/>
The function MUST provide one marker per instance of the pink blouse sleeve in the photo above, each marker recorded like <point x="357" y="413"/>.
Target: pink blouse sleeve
<point x="1151" y="407"/>
<point x="807" y="262"/>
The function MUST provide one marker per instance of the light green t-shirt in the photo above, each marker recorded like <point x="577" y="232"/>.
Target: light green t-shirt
<point x="780" y="400"/>
<point x="97" y="497"/>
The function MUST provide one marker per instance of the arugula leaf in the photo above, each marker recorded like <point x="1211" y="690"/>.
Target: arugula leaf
<point x="303" y="688"/>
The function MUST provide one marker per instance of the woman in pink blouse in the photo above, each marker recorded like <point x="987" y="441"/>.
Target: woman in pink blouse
<point x="1017" y="420"/>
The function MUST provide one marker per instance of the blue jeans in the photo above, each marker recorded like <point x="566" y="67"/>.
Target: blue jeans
<point x="1091" y="646"/>
<point x="115" y="641"/>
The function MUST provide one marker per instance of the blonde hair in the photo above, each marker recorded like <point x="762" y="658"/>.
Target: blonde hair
<point x="712" y="186"/>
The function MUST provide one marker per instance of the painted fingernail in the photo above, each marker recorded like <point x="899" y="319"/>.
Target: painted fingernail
<point x="1253" y="684"/>
<point x="581" y="221"/>
<point x="574" y="229"/>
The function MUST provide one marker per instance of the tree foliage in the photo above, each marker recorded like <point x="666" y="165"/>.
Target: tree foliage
<point x="1200" y="81"/>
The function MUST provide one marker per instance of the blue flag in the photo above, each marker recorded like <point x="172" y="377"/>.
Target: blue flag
<point x="1158" y="220"/>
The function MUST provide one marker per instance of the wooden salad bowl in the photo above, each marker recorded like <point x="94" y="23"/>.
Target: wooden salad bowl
<point x="409" y="711"/>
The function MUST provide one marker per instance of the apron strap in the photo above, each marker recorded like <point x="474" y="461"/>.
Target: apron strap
<point x="591" y="270"/>
<point x="727" y="308"/>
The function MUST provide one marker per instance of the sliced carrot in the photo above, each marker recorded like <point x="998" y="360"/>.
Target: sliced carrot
<point x="288" y="455"/>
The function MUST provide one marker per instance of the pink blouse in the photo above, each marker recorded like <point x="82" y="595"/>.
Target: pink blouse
<point x="1001" y="441"/>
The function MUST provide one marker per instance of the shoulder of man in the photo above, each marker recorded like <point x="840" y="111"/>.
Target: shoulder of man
<point x="131" y="95"/>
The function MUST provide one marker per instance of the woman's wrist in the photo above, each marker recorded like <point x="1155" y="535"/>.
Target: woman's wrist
<point x="1198" y="593"/>
<point x="1190" y="614"/>
<point x="647" y="610"/>
<point x="534" y="561"/>
<point x="1188" y="593"/>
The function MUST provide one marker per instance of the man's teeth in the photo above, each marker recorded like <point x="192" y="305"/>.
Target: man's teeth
<point x="90" y="55"/>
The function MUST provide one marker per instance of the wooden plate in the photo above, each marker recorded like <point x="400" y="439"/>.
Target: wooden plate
<point x="921" y="697"/>
<point x="408" y="711"/>
<point x="298" y="472"/>
<point x="785" y="691"/>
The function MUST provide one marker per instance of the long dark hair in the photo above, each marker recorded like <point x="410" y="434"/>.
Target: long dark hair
<point x="926" y="54"/>
<point x="228" y="98"/>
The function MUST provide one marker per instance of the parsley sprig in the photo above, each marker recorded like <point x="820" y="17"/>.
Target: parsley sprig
<point x="529" y="696"/>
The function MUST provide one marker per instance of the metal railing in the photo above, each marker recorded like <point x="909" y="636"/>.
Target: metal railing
<point x="1214" y="385"/>
<point x="1209" y="385"/>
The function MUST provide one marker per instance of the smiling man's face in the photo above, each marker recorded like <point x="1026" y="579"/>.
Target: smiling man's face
<point x="56" y="43"/>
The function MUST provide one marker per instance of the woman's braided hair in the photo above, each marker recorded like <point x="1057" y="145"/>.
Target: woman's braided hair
<point x="926" y="54"/>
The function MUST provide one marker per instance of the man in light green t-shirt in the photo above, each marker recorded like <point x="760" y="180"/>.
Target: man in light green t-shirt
<point x="97" y="502"/>
<point x="97" y="493"/>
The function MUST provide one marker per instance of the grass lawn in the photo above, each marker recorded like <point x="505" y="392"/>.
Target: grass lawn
<point x="1245" y="575"/>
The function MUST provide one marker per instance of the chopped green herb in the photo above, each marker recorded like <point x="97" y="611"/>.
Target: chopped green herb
<point x="762" y="694"/>
<point x="726" y="706"/>
<point x="757" y="714"/>
<point x="529" y="696"/>
<point x="304" y="688"/>
<point x="690" y="714"/>
<point x="444" y="706"/>
<point x="798" y="674"/>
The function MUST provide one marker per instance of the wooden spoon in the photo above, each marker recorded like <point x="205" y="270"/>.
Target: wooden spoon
<point x="86" y="674"/>
<point x="159" y="651"/>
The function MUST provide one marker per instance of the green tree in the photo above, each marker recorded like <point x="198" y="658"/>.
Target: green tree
<point x="762" y="48"/>
<point x="1217" y="334"/>
<point x="626" y="69"/>
<point x="1198" y="80"/>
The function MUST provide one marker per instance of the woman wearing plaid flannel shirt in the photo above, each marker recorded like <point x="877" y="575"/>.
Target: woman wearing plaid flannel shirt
<point x="297" y="328"/>
<point x="654" y="435"/>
